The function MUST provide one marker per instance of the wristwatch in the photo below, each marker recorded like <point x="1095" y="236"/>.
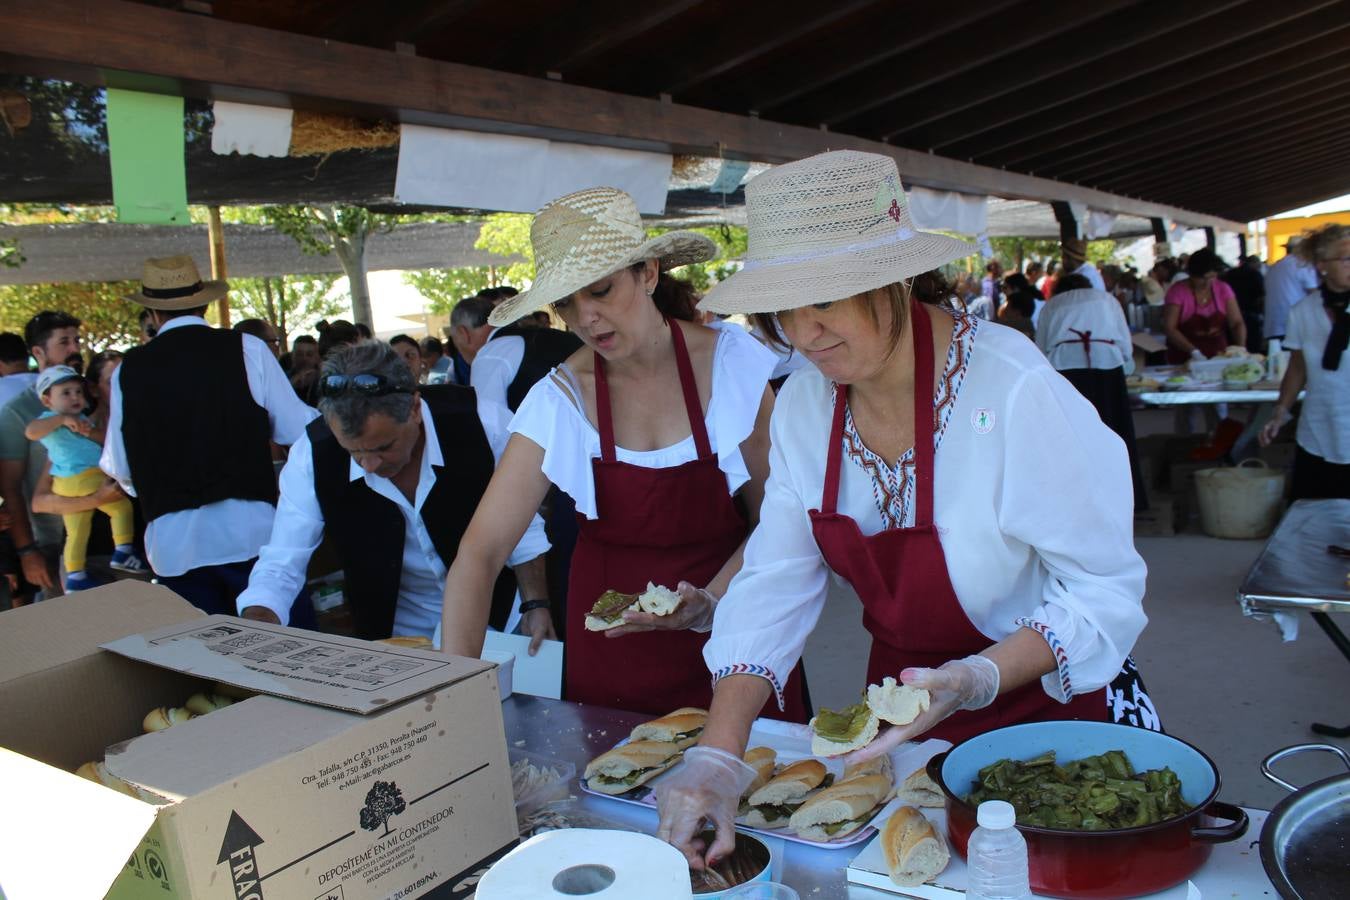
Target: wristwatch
<point x="527" y="605"/>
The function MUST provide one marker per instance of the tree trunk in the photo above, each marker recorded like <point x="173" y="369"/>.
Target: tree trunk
<point x="351" y="252"/>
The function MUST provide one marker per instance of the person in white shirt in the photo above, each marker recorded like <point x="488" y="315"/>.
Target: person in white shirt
<point x="14" y="375"/>
<point x="392" y="474"/>
<point x="1076" y="263"/>
<point x="190" y="420"/>
<point x="1288" y="281"/>
<point x="971" y="497"/>
<point x="1084" y="334"/>
<point x="1318" y="330"/>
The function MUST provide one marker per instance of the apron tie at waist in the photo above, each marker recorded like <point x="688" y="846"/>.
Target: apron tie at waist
<point x="1087" y="340"/>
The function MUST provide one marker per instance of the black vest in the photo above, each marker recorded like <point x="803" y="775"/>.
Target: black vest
<point x="193" y="432"/>
<point x="367" y="530"/>
<point x="544" y="349"/>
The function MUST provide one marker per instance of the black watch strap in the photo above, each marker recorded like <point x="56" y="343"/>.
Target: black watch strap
<point x="527" y="605"/>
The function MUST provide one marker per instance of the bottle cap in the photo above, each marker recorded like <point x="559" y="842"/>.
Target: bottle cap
<point x="996" y="814"/>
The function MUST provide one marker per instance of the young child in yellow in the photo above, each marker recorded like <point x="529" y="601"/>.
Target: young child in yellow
<point x="74" y="446"/>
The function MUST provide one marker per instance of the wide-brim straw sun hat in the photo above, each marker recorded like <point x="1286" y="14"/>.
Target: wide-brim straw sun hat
<point x="172" y="283"/>
<point x="826" y="228"/>
<point x="583" y="237"/>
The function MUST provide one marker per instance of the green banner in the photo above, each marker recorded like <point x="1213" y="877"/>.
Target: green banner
<point x="145" y="147"/>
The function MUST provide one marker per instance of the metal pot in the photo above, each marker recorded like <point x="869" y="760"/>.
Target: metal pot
<point x="1303" y="843"/>
<point x="1121" y="862"/>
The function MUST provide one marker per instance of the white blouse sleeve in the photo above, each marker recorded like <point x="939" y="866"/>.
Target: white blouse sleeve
<point x="741" y="370"/>
<point x="1077" y="514"/>
<point x="548" y="417"/>
<point x="762" y="622"/>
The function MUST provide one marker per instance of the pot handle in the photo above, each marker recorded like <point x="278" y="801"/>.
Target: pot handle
<point x="1293" y="751"/>
<point x="1223" y="833"/>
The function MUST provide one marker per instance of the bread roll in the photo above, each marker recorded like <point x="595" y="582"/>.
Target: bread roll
<point x="877" y="765"/>
<point x="762" y="760"/>
<point x="920" y="790"/>
<point x="896" y="703"/>
<point x="842" y="809"/>
<point x="914" y="851"/>
<point x="658" y="600"/>
<point x="635" y="763"/>
<point x="162" y="717"/>
<point x="413" y="641"/>
<point x="686" y="722"/>
<point x="201" y="703"/>
<point x="824" y="747"/>
<point x="774" y="803"/>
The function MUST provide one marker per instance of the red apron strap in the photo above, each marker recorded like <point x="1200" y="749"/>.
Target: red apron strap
<point x="829" y="495"/>
<point x="923" y="414"/>
<point x="603" y="415"/>
<point x="690" y="388"/>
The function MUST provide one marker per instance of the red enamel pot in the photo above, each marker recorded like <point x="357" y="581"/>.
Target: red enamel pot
<point x="1122" y="862"/>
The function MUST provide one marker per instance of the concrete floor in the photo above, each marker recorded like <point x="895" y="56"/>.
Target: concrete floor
<point x="1225" y="683"/>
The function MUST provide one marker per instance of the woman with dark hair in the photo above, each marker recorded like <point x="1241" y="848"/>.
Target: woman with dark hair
<point x="656" y="427"/>
<point x="1317" y="334"/>
<point x="1201" y="317"/>
<point x="98" y="383"/>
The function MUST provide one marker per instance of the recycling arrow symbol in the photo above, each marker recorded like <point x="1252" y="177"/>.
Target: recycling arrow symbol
<point x="237" y="850"/>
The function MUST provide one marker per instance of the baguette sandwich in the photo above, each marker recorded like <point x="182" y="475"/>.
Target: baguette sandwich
<point x="842" y="809"/>
<point x="920" y="790"/>
<point x="608" y="611"/>
<point x="896" y="703"/>
<point x="630" y="765"/>
<point x="835" y="733"/>
<point x="914" y="851"/>
<point x="681" y="725"/>
<point x="877" y="765"/>
<point x="773" y="804"/>
<point x="762" y="760"/>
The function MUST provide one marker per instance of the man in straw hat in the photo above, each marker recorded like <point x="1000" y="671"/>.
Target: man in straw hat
<point x="193" y="412"/>
<point x="899" y="461"/>
<point x="654" y="428"/>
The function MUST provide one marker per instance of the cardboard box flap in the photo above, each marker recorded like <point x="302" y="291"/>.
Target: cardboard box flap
<point x="63" y="836"/>
<point x="1149" y="343"/>
<point x="339" y="672"/>
<point x="43" y="636"/>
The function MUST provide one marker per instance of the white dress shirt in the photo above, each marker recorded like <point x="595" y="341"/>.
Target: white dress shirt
<point x="496" y="366"/>
<point x="1033" y="504"/>
<point x="1288" y="281"/>
<point x="1089" y="271"/>
<point x="1088" y="312"/>
<point x="1324" y="424"/>
<point x="279" y="573"/>
<point x="229" y="530"/>
<point x="12" y="386"/>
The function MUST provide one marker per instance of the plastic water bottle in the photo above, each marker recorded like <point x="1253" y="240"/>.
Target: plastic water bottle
<point x="996" y="857"/>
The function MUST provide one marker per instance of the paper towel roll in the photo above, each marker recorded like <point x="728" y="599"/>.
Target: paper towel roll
<point x="591" y="863"/>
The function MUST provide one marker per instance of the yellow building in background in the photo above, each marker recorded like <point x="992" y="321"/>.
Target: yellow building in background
<point x="1279" y="231"/>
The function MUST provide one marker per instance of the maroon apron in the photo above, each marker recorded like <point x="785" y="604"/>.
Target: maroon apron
<point x="664" y="526"/>
<point x="900" y="575"/>
<point x="1207" y="329"/>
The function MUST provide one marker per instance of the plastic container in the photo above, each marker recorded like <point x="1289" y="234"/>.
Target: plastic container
<point x="549" y="780"/>
<point x="996" y="856"/>
<point x="506" y="664"/>
<point x="1242" y="502"/>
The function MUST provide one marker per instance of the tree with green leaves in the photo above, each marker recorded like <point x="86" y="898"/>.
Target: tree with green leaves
<point x="110" y="322"/>
<point x="340" y="230"/>
<point x="290" y="304"/>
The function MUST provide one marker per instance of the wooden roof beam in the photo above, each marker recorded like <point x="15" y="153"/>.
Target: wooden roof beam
<point x="96" y="40"/>
<point x="1257" y="176"/>
<point x="649" y="19"/>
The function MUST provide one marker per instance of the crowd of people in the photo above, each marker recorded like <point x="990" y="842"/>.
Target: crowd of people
<point x="510" y="476"/>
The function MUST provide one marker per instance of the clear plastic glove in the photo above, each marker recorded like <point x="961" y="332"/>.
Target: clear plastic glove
<point x="1269" y="431"/>
<point x="970" y="683"/>
<point x="1198" y="356"/>
<point x="706" y="786"/>
<point x="695" y="613"/>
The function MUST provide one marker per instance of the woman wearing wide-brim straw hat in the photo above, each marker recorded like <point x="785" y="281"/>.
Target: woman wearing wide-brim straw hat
<point x="658" y="430"/>
<point x="972" y="498"/>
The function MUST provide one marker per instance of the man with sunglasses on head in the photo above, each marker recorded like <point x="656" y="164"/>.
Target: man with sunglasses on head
<point x="53" y="339"/>
<point x="193" y="414"/>
<point x="392" y="474"/>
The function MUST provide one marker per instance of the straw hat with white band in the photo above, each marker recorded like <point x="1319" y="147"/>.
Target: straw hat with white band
<point x="582" y="237"/>
<point x="826" y="228"/>
<point x="172" y="283"/>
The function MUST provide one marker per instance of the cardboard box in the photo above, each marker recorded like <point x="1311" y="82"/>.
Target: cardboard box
<point x="362" y="772"/>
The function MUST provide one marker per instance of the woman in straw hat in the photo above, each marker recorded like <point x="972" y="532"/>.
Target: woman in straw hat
<point x="656" y="428"/>
<point x="901" y="462"/>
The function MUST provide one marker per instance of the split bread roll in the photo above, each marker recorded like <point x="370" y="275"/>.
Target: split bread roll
<point x="877" y="765"/>
<point x="781" y="795"/>
<point x="920" y="790"/>
<point x="637" y="762"/>
<point x="821" y="746"/>
<point x="896" y="703"/>
<point x="202" y="703"/>
<point x="914" y="851"/>
<point x="412" y="641"/>
<point x="162" y="717"/>
<point x="686" y="722"/>
<point x="658" y="600"/>
<point x="762" y="760"/>
<point x="842" y="809"/>
<point x="98" y="772"/>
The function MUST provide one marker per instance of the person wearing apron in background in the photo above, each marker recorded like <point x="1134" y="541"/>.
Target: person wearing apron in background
<point x="935" y="461"/>
<point x="1201" y="317"/>
<point x="658" y="430"/>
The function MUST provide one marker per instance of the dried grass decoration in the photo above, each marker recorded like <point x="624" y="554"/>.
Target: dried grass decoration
<point x="319" y="134"/>
<point x="15" y="110"/>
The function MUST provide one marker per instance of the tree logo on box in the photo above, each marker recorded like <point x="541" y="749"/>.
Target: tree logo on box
<point x="383" y="802"/>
